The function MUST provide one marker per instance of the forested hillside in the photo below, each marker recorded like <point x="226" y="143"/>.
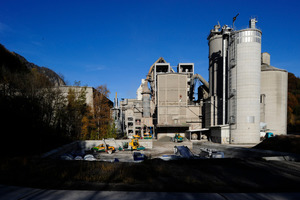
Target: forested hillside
<point x="28" y="103"/>
<point x="34" y="114"/>
<point x="293" y="103"/>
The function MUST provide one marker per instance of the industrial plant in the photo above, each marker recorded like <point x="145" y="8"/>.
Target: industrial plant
<point x="244" y="97"/>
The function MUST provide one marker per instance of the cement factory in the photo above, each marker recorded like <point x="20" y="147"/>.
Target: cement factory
<point x="244" y="97"/>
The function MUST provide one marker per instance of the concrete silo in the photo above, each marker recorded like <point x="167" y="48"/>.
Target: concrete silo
<point x="274" y="86"/>
<point x="213" y="104"/>
<point x="146" y="99"/>
<point x="244" y="77"/>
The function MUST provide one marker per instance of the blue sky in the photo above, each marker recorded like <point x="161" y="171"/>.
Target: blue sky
<point x="114" y="42"/>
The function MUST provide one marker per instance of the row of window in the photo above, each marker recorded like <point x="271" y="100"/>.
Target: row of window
<point x="248" y="39"/>
<point x="248" y="33"/>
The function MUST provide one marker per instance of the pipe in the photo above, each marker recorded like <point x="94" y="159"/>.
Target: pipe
<point x="224" y="76"/>
<point x="199" y="77"/>
<point x="226" y="33"/>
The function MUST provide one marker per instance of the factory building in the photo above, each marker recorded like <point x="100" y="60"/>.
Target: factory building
<point x="244" y="94"/>
<point x="165" y="103"/>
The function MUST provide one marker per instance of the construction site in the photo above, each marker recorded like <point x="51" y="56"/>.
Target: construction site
<point x="183" y="133"/>
<point x="244" y="98"/>
<point x="243" y="102"/>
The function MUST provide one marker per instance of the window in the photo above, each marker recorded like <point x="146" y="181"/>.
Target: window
<point x="251" y="119"/>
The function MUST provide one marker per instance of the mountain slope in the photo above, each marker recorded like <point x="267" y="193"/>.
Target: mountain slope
<point x="15" y="62"/>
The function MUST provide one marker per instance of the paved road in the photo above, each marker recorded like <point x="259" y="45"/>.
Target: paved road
<point x="21" y="193"/>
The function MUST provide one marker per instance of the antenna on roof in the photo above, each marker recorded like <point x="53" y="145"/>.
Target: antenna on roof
<point x="233" y="20"/>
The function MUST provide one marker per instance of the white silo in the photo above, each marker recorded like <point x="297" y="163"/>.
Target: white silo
<point x="215" y="77"/>
<point x="274" y="86"/>
<point x="244" y="85"/>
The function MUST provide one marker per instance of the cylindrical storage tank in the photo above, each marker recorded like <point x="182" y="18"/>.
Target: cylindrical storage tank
<point x="215" y="61"/>
<point x="245" y="86"/>
<point x="274" y="86"/>
<point x="146" y="99"/>
<point x="215" y="77"/>
<point x="146" y="105"/>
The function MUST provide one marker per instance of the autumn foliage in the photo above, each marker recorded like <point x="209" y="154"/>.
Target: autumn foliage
<point x="97" y="122"/>
<point x="293" y="103"/>
<point x="35" y="116"/>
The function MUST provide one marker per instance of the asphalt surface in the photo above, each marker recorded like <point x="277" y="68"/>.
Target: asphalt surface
<point x="21" y="193"/>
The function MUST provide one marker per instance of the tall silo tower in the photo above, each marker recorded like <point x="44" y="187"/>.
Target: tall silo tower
<point x="146" y="99"/>
<point x="213" y="106"/>
<point x="244" y="77"/>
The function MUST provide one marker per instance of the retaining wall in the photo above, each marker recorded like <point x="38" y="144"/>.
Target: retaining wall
<point x="88" y="144"/>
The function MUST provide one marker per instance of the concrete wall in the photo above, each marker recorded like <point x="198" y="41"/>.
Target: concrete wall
<point x="172" y="99"/>
<point x="88" y="144"/>
<point x="78" y="89"/>
<point x="193" y="119"/>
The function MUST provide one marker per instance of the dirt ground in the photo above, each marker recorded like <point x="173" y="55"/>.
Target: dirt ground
<point x="238" y="172"/>
<point x="165" y="147"/>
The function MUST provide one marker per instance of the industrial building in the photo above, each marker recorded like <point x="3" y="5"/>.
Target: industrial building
<point x="244" y="96"/>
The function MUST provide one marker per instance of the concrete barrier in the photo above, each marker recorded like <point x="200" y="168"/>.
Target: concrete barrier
<point x="88" y="144"/>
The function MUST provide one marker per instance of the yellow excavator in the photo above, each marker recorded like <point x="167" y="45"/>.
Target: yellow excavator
<point x="104" y="147"/>
<point x="135" y="145"/>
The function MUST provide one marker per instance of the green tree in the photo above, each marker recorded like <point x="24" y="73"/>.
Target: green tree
<point x="75" y="111"/>
<point x="112" y="131"/>
<point x="102" y="111"/>
<point x="88" y="126"/>
<point x="293" y="122"/>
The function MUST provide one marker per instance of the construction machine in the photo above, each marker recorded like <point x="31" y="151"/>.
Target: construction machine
<point x="269" y="135"/>
<point x="177" y="138"/>
<point x="104" y="147"/>
<point x="147" y="136"/>
<point x="135" y="145"/>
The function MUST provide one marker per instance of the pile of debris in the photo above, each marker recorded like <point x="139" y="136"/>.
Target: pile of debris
<point x="282" y="143"/>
